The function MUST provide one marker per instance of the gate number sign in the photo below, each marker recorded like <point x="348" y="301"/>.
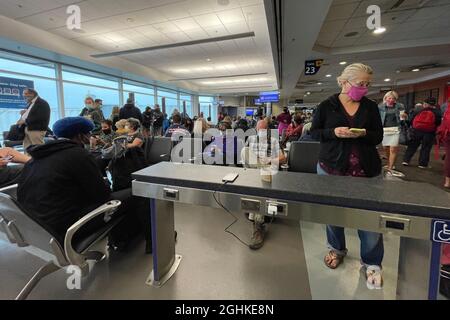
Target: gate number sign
<point x="312" y="67"/>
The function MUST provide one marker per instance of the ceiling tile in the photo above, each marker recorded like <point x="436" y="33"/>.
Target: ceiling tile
<point x="231" y="16"/>
<point x="208" y="20"/>
<point x="344" y="11"/>
<point x="166" y="27"/>
<point x="254" y="12"/>
<point x="239" y="27"/>
<point x="196" y="34"/>
<point x="217" y="31"/>
<point x="186" y="24"/>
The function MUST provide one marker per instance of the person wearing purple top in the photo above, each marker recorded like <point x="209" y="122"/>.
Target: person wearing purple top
<point x="284" y="120"/>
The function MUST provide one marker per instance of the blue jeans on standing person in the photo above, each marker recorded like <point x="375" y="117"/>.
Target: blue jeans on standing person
<point x="372" y="249"/>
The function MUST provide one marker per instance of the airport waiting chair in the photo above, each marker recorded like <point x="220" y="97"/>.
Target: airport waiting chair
<point x="10" y="143"/>
<point x="303" y="156"/>
<point x="77" y="248"/>
<point x="157" y="149"/>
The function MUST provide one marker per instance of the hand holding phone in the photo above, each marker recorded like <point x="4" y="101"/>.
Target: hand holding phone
<point x="357" y="130"/>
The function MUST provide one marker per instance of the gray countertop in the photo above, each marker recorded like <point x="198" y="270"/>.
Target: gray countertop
<point x="416" y="199"/>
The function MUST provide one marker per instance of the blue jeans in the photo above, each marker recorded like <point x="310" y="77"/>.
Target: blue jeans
<point x="372" y="249"/>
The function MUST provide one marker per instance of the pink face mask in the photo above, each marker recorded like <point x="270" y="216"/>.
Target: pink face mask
<point x="357" y="93"/>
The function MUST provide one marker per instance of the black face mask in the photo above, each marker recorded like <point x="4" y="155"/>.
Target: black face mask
<point x="107" y="131"/>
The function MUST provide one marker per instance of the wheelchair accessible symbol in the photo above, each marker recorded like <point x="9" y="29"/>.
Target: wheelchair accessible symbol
<point x="441" y="231"/>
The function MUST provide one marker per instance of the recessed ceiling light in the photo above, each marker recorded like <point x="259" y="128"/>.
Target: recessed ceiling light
<point x="379" y="30"/>
<point x="415" y="70"/>
<point x="130" y="20"/>
<point x="308" y="93"/>
<point x="387" y="80"/>
<point x="343" y="63"/>
<point x="209" y="60"/>
<point x="319" y="83"/>
<point x="328" y="76"/>
<point x="398" y="71"/>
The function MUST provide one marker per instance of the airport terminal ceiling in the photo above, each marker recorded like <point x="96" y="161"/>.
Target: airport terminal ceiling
<point x="413" y="45"/>
<point x="240" y="64"/>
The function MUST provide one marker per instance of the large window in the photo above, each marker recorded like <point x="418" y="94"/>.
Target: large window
<point x="187" y="99"/>
<point x="79" y="84"/>
<point x="43" y="76"/>
<point x="144" y="95"/>
<point x="90" y="78"/>
<point x="74" y="95"/>
<point x="76" y="84"/>
<point x="29" y="66"/>
<point x="208" y="107"/>
<point x="171" y="101"/>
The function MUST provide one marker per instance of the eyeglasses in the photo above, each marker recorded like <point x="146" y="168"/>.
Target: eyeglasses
<point x="361" y="84"/>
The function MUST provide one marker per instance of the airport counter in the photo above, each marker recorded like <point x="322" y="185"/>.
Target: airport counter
<point x="418" y="213"/>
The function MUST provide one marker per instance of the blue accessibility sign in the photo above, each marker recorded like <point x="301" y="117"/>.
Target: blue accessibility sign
<point x="441" y="231"/>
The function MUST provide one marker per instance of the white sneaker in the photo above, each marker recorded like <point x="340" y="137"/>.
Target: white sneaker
<point x="405" y="163"/>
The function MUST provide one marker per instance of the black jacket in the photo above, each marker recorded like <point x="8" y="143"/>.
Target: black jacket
<point x="39" y="116"/>
<point x="147" y="118"/>
<point x="61" y="184"/>
<point x="334" y="151"/>
<point x="130" y="111"/>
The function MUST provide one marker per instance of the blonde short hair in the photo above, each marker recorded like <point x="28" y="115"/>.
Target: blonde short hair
<point x="351" y="71"/>
<point x="391" y="94"/>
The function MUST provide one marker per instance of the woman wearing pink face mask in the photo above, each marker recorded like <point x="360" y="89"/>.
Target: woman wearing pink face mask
<point x="346" y="152"/>
<point x="391" y="113"/>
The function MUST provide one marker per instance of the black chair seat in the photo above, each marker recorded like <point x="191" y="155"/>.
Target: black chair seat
<point x="11" y="144"/>
<point x="82" y="240"/>
<point x="303" y="156"/>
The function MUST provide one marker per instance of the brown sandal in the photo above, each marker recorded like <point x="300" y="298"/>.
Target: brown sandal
<point x="333" y="256"/>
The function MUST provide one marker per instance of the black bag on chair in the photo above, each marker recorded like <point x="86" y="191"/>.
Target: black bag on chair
<point x="16" y="133"/>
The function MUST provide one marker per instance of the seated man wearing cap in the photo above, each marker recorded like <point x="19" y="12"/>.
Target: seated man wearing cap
<point x="62" y="183"/>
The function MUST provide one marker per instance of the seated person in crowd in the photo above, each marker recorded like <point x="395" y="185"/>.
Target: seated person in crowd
<point x="62" y="183"/>
<point x="121" y="127"/>
<point x="135" y="137"/>
<point x="10" y="174"/>
<point x="102" y="141"/>
<point x="106" y="137"/>
<point x="176" y="127"/>
<point x="257" y="147"/>
<point x="133" y="160"/>
<point x="188" y="124"/>
<point x="294" y="130"/>
<point x="306" y="133"/>
<point x="224" y="126"/>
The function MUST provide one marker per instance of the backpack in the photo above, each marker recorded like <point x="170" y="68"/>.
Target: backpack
<point x="425" y="121"/>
